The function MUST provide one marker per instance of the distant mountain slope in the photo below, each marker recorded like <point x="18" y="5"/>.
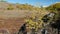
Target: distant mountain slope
<point x="10" y="6"/>
<point x="54" y="6"/>
<point x="8" y="10"/>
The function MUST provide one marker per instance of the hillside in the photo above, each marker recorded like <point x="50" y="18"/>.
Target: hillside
<point x="10" y="6"/>
<point x="54" y="6"/>
<point x="12" y="16"/>
<point x="18" y="10"/>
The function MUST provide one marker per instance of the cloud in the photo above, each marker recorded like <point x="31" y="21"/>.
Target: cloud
<point x="45" y="6"/>
<point x="57" y="2"/>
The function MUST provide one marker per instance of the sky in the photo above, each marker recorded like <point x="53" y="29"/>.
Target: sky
<point x="35" y="2"/>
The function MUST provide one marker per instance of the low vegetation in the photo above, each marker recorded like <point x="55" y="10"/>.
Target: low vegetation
<point x="33" y="20"/>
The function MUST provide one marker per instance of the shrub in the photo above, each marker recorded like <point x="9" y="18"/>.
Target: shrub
<point x="10" y="7"/>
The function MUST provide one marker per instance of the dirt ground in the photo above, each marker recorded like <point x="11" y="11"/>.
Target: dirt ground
<point x="12" y="25"/>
